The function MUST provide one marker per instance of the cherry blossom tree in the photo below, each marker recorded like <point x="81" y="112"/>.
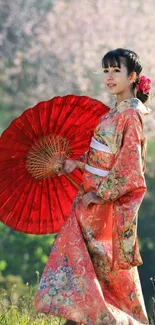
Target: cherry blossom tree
<point x="54" y="48"/>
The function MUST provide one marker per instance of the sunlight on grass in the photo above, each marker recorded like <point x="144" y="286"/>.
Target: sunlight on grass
<point x="20" y="311"/>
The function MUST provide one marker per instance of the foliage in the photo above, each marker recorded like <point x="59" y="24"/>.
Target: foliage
<point x="20" y="311"/>
<point x="152" y="316"/>
<point x="22" y="254"/>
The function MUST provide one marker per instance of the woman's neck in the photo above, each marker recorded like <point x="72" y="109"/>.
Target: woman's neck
<point x="126" y="95"/>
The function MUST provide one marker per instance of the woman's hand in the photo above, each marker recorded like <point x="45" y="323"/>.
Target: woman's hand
<point x="91" y="197"/>
<point x="69" y="166"/>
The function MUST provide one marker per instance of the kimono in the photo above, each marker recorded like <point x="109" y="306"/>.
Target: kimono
<point x="91" y="276"/>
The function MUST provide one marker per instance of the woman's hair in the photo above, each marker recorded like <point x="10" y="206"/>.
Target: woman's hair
<point x="132" y="63"/>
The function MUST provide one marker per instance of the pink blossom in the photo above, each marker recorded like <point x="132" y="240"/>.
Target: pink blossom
<point x="144" y="84"/>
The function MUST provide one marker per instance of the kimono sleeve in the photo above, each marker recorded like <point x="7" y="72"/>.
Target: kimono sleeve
<point x="127" y="173"/>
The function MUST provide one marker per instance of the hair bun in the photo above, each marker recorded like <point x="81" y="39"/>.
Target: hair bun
<point x="143" y="97"/>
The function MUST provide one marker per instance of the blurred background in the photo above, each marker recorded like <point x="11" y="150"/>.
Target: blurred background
<point x="55" y="47"/>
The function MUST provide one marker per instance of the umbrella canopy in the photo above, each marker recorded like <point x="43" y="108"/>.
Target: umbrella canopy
<point x="33" y="199"/>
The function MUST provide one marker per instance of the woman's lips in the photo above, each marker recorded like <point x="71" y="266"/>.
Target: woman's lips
<point x="111" y="85"/>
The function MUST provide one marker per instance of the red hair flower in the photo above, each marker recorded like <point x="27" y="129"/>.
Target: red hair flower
<point x="144" y="85"/>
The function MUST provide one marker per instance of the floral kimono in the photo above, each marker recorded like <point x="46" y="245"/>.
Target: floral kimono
<point x="91" y="276"/>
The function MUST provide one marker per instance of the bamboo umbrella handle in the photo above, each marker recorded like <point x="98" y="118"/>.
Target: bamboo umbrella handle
<point x="74" y="183"/>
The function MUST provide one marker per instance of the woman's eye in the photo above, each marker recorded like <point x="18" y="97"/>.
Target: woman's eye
<point x="115" y="70"/>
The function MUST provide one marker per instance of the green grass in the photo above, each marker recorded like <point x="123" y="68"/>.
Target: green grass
<point x="16" y="317"/>
<point x="16" y="310"/>
<point x="152" y="316"/>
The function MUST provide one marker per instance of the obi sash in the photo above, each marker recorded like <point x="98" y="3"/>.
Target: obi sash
<point x="99" y="147"/>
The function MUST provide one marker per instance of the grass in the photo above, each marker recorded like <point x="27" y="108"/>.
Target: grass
<point x="152" y="316"/>
<point x="16" y="310"/>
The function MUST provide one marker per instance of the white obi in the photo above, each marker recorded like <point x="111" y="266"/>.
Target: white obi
<point x="100" y="147"/>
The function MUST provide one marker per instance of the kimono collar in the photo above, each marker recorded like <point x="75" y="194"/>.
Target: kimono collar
<point x="134" y="103"/>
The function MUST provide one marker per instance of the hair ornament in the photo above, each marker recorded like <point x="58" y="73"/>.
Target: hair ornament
<point x="143" y="85"/>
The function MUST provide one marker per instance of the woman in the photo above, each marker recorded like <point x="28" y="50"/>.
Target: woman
<point x="91" y="276"/>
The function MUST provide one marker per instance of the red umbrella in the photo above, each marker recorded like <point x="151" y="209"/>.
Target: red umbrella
<point x="33" y="199"/>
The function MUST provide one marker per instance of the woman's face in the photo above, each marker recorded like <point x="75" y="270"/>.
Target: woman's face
<point x="116" y="79"/>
